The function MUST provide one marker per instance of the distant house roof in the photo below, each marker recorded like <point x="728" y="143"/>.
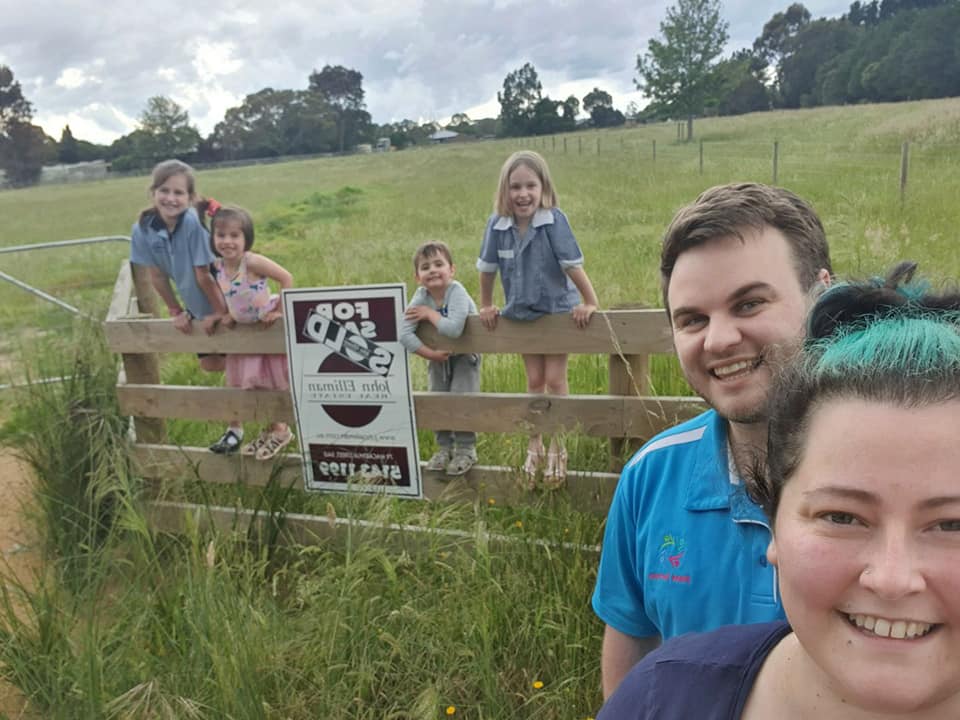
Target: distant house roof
<point x="441" y="135"/>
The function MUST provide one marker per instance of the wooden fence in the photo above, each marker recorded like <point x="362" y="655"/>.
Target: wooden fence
<point x="625" y="414"/>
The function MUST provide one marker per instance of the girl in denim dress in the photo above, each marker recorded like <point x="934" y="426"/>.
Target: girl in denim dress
<point x="529" y="241"/>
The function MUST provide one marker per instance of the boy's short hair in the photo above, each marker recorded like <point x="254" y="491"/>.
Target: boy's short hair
<point x="429" y="249"/>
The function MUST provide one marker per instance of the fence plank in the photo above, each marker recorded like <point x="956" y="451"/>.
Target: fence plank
<point x="312" y="530"/>
<point x="589" y="492"/>
<point x="638" y="332"/>
<point x="596" y="415"/>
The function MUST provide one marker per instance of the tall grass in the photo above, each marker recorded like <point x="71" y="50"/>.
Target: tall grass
<point x="227" y="625"/>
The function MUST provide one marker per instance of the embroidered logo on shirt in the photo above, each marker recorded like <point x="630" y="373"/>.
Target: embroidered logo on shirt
<point x="672" y="550"/>
<point x="670" y="556"/>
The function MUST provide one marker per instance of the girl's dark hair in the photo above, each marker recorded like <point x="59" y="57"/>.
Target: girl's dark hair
<point x="217" y="213"/>
<point x="887" y="340"/>
<point x="161" y="173"/>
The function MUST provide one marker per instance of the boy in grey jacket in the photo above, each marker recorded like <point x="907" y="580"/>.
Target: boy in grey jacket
<point x="445" y="303"/>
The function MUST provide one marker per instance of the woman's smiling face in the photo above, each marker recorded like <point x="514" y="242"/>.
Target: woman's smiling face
<point x="867" y="546"/>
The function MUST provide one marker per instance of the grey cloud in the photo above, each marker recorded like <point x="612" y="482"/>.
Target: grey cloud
<point x="452" y="54"/>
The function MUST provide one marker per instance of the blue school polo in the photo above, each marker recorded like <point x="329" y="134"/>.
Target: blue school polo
<point x="177" y="254"/>
<point x="685" y="547"/>
<point x="533" y="268"/>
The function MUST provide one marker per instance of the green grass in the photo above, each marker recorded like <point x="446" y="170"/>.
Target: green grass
<point x="122" y="622"/>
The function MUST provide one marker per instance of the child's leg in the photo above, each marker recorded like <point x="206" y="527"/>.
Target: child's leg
<point x="556" y="382"/>
<point x="438" y="380"/>
<point x="535" y="366"/>
<point x="233" y="435"/>
<point x="465" y="378"/>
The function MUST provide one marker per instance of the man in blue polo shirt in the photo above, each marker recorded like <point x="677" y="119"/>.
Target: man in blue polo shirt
<point x="685" y="547"/>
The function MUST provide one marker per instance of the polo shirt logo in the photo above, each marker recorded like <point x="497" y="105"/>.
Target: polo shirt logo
<point x="670" y="556"/>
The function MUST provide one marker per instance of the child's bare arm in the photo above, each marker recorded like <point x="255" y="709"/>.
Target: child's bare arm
<point x="488" y="311"/>
<point x="265" y="267"/>
<point x="161" y="283"/>
<point x="582" y="312"/>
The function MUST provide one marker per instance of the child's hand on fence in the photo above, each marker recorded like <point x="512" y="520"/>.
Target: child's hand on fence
<point x="271" y="317"/>
<point x="183" y="322"/>
<point x="488" y="316"/>
<point x="210" y="322"/>
<point x="582" y="313"/>
<point x="228" y="322"/>
<point x="422" y="312"/>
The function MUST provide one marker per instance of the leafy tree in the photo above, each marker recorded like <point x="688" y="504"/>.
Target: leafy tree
<point x="342" y="89"/>
<point x="165" y="132"/>
<point x="23" y="147"/>
<point x="599" y="104"/>
<point x="738" y="85"/>
<point x="14" y="107"/>
<point x="518" y="100"/>
<point x="571" y="108"/>
<point x="676" y="72"/>
<point x="816" y="44"/>
<point x="779" y="32"/>
<point x="69" y="151"/>
<point x="277" y="122"/>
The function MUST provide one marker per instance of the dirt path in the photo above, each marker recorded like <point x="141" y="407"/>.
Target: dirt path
<point x="20" y="553"/>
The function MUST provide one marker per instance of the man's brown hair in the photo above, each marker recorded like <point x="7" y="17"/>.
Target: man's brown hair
<point x="728" y="210"/>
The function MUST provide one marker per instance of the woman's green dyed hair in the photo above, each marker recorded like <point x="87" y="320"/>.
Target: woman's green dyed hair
<point x="886" y="340"/>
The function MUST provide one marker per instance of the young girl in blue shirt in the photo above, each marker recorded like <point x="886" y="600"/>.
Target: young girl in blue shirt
<point x="529" y="241"/>
<point x="169" y="240"/>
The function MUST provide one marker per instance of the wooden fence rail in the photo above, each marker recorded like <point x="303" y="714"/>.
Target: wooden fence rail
<point x="628" y="337"/>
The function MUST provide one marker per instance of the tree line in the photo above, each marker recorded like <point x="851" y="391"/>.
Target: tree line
<point x="878" y="51"/>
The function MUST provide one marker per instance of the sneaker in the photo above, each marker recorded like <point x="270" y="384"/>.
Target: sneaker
<point x="461" y="463"/>
<point x="228" y="443"/>
<point x="251" y="448"/>
<point x="439" y="461"/>
<point x="274" y="444"/>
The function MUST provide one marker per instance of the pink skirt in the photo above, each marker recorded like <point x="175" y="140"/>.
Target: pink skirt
<point x="258" y="372"/>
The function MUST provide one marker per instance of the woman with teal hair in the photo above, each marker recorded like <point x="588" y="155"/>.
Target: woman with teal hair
<point x="862" y="486"/>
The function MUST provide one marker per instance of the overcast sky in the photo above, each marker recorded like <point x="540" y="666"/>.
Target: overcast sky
<point x="95" y="64"/>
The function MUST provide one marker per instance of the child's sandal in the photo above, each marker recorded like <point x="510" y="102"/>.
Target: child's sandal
<point x="556" y="473"/>
<point x="531" y="467"/>
<point x="251" y="448"/>
<point x="274" y="444"/>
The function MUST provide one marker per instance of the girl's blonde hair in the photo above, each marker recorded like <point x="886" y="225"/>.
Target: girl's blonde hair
<point x="535" y="162"/>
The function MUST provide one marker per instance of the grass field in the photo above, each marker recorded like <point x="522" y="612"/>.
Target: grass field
<point x="126" y="624"/>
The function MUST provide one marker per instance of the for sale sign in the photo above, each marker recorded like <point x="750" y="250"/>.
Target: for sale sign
<point x="350" y="381"/>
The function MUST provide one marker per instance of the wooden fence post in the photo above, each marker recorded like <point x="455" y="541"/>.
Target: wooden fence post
<point x="553" y="142"/>
<point x="580" y="146"/>
<point x="654" y="157"/>
<point x="598" y="146"/>
<point x="904" y="164"/>
<point x="144" y="369"/>
<point x="564" y="146"/>
<point x="776" y="158"/>
<point x="701" y="157"/>
<point x="630" y="376"/>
